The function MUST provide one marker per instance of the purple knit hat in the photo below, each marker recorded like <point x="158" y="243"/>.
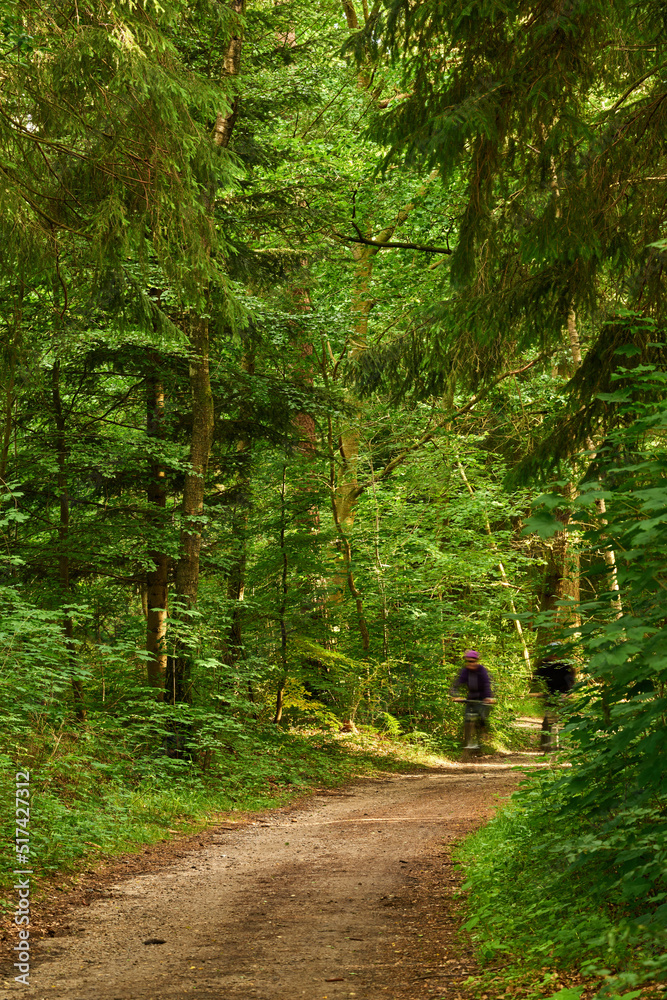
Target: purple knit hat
<point x="471" y="654"/>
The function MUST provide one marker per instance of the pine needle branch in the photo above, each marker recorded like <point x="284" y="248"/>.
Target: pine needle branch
<point x="429" y="435"/>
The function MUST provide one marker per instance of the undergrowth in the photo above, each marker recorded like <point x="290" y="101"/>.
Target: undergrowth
<point x="550" y="904"/>
<point x="154" y="771"/>
<point x="99" y="790"/>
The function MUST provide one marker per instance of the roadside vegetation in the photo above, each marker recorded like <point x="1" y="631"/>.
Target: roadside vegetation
<point x="102" y="790"/>
<point x="572" y="874"/>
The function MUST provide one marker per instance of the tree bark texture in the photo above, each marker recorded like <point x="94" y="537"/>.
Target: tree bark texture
<point x="350" y="14"/>
<point x="63" y="541"/>
<point x="157" y="579"/>
<point x="226" y="120"/>
<point x="177" y="680"/>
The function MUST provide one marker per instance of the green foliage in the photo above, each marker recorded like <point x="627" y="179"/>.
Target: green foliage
<point x="534" y="119"/>
<point x="359" y="527"/>
<point x="389" y="724"/>
<point x="536" y="907"/>
<point x="597" y="892"/>
<point x="36" y="673"/>
<point x="120" y="179"/>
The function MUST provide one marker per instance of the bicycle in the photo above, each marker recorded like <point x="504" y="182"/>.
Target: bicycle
<point x="474" y="721"/>
<point x="552" y="706"/>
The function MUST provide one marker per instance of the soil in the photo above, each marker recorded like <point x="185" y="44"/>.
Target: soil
<point x="345" y="894"/>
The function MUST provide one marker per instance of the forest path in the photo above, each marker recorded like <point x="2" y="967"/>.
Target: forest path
<point x="325" y="899"/>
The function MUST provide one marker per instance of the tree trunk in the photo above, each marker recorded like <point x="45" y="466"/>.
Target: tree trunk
<point x="280" y="694"/>
<point x="346" y="550"/>
<point x="237" y="571"/>
<point x="608" y="553"/>
<point x="177" y="674"/>
<point x="347" y="492"/>
<point x="9" y="391"/>
<point x="177" y="679"/>
<point x="561" y="580"/>
<point x="242" y="492"/>
<point x="379" y="571"/>
<point x="225" y="121"/>
<point x="63" y="542"/>
<point x="157" y="579"/>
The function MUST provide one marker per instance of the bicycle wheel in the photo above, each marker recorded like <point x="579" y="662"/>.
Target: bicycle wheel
<point x="471" y="729"/>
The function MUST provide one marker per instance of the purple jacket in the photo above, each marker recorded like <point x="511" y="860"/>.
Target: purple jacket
<point x="477" y="682"/>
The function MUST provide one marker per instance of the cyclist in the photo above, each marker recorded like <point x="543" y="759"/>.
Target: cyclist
<point x="558" y="677"/>
<point x="479" y="697"/>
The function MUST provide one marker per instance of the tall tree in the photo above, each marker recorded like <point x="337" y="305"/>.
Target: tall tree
<point x="157" y="578"/>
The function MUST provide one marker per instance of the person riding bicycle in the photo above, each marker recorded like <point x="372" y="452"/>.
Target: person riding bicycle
<point x="558" y="676"/>
<point x="479" y="697"/>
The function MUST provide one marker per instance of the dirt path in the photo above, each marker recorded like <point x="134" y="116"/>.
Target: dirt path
<point x="345" y="895"/>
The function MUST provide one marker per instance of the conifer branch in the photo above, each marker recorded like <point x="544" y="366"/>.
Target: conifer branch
<point x="429" y="435"/>
<point x="391" y="245"/>
<point x="41" y="213"/>
<point x="637" y="83"/>
<point x="501" y="378"/>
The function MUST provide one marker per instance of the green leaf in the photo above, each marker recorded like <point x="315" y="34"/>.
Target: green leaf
<point x="542" y="523"/>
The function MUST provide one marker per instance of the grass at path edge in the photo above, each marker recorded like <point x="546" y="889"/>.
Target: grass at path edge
<point x="544" y="928"/>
